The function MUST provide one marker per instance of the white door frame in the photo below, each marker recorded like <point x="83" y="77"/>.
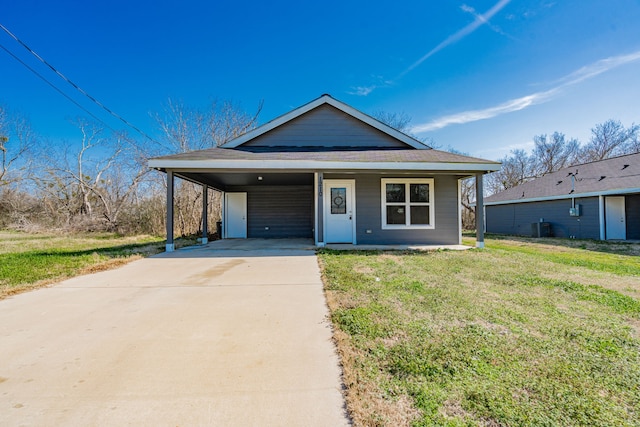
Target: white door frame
<point x="226" y="216"/>
<point x="613" y="221"/>
<point x="351" y="184"/>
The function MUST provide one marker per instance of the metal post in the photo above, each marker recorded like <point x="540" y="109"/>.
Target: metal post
<point x="320" y="209"/>
<point x="601" y="217"/>
<point x="169" y="246"/>
<point x="459" y="211"/>
<point x="479" y="211"/>
<point x="205" y="205"/>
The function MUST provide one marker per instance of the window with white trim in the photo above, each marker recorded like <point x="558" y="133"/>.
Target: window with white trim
<point x="407" y="203"/>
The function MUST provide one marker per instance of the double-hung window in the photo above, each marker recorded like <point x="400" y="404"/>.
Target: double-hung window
<point x="407" y="203"/>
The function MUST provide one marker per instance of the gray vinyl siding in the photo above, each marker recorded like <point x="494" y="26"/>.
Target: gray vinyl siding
<point x="632" y="208"/>
<point x="516" y="218"/>
<point x="325" y="126"/>
<point x="286" y="210"/>
<point x="369" y="212"/>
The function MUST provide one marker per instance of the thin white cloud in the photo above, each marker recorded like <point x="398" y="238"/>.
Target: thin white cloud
<point x="598" y="68"/>
<point x="578" y="76"/>
<point x="468" y="9"/>
<point x="460" y="34"/>
<point x="379" y="82"/>
<point x="361" y="90"/>
<point x="480" y="19"/>
<point x="487" y="113"/>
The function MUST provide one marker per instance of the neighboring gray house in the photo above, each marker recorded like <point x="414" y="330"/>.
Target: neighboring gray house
<point x="598" y="200"/>
<point x="331" y="173"/>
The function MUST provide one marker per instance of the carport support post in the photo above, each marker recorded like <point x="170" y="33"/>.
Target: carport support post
<point x="205" y="204"/>
<point x="479" y="211"/>
<point x="169" y="247"/>
<point x="319" y="205"/>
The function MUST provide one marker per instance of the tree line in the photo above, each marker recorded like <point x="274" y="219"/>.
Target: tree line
<point x="556" y="151"/>
<point x="102" y="182"/>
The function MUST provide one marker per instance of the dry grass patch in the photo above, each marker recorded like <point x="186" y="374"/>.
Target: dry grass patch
<point x="628" y="285"/>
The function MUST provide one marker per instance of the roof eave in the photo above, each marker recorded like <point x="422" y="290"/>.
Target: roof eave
<point x="566" y="196"/>
<point x="317" y="165"/>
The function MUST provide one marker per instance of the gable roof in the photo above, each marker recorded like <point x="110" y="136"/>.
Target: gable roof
<point x="396" y="152"/>
<point x="610" y="176"/>
<point x="325" y="100"/>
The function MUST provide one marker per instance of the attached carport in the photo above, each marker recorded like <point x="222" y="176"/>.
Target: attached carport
<point x="264" y="203"/>
<point x="278" y="203"/>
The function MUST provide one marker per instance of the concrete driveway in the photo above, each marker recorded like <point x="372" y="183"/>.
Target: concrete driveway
<point x="199" y="337"/>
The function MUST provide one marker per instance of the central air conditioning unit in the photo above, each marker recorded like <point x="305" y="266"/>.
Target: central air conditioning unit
<point x="541" y="229"/>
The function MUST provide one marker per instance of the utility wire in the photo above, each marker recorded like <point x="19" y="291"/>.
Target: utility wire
<point x="54" y="87"/>
<point x="75" y="86"/>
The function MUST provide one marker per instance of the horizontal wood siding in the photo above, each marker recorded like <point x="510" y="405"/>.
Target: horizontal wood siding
<point x="632" y="208"/>
<point x="517" y="218"/>
<point x="286" y="210"/>
<point x="369" y="212"/>
<point x="325" y="126"/>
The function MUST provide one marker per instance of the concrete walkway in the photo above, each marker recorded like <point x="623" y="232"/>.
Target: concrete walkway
<point x="198" y="337"/>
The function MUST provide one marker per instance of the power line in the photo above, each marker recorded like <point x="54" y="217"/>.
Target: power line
<point x="75" y="86"/>
<point x="54" y="86"/>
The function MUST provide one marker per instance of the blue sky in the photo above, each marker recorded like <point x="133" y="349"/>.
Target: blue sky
<point x="482" y="77"/>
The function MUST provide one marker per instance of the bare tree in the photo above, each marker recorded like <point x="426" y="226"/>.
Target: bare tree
<point x="609" y="139"/>
<point x="89" y="184"/>
<point x="398" y="121"/>
<point x="516" y="169"/>
<point x="467" y="197"/>
<point x="549" y="154"/>
<point x="634" y="143"/>
<point x="17" y="139"/>
<point x="553" y="153"/>
<point x="188" y="129"/>
<point x="402" y="123"/>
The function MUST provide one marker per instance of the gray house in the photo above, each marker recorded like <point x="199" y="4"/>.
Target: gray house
<point x="598" y="200"/>
<point x="326" y="171"/>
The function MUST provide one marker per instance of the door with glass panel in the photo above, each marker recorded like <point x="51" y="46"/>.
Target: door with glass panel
<point x="339" y="211"/>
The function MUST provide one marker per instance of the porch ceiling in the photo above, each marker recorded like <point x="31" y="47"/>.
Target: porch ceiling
<point x="222" y="180"/>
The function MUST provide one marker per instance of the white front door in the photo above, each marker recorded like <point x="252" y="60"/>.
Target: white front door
<point x="339" y="211"/>
<point x="235" y="215"/>
<point x="615" y="223"/>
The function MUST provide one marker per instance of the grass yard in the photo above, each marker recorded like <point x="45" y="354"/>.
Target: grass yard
<point x="523" y="333"/>
<point x="29" y="261"/>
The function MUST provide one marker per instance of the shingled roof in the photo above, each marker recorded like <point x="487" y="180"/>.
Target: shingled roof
<point x="409" y="155"/>
<point x="610" y="176"/>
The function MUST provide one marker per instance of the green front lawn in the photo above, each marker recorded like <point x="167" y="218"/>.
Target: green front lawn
<point x="29" y="261"/>
<point x="520" y="333"/>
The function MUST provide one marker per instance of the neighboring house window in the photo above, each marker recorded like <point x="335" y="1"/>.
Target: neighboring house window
<point x="407" y="203"/>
